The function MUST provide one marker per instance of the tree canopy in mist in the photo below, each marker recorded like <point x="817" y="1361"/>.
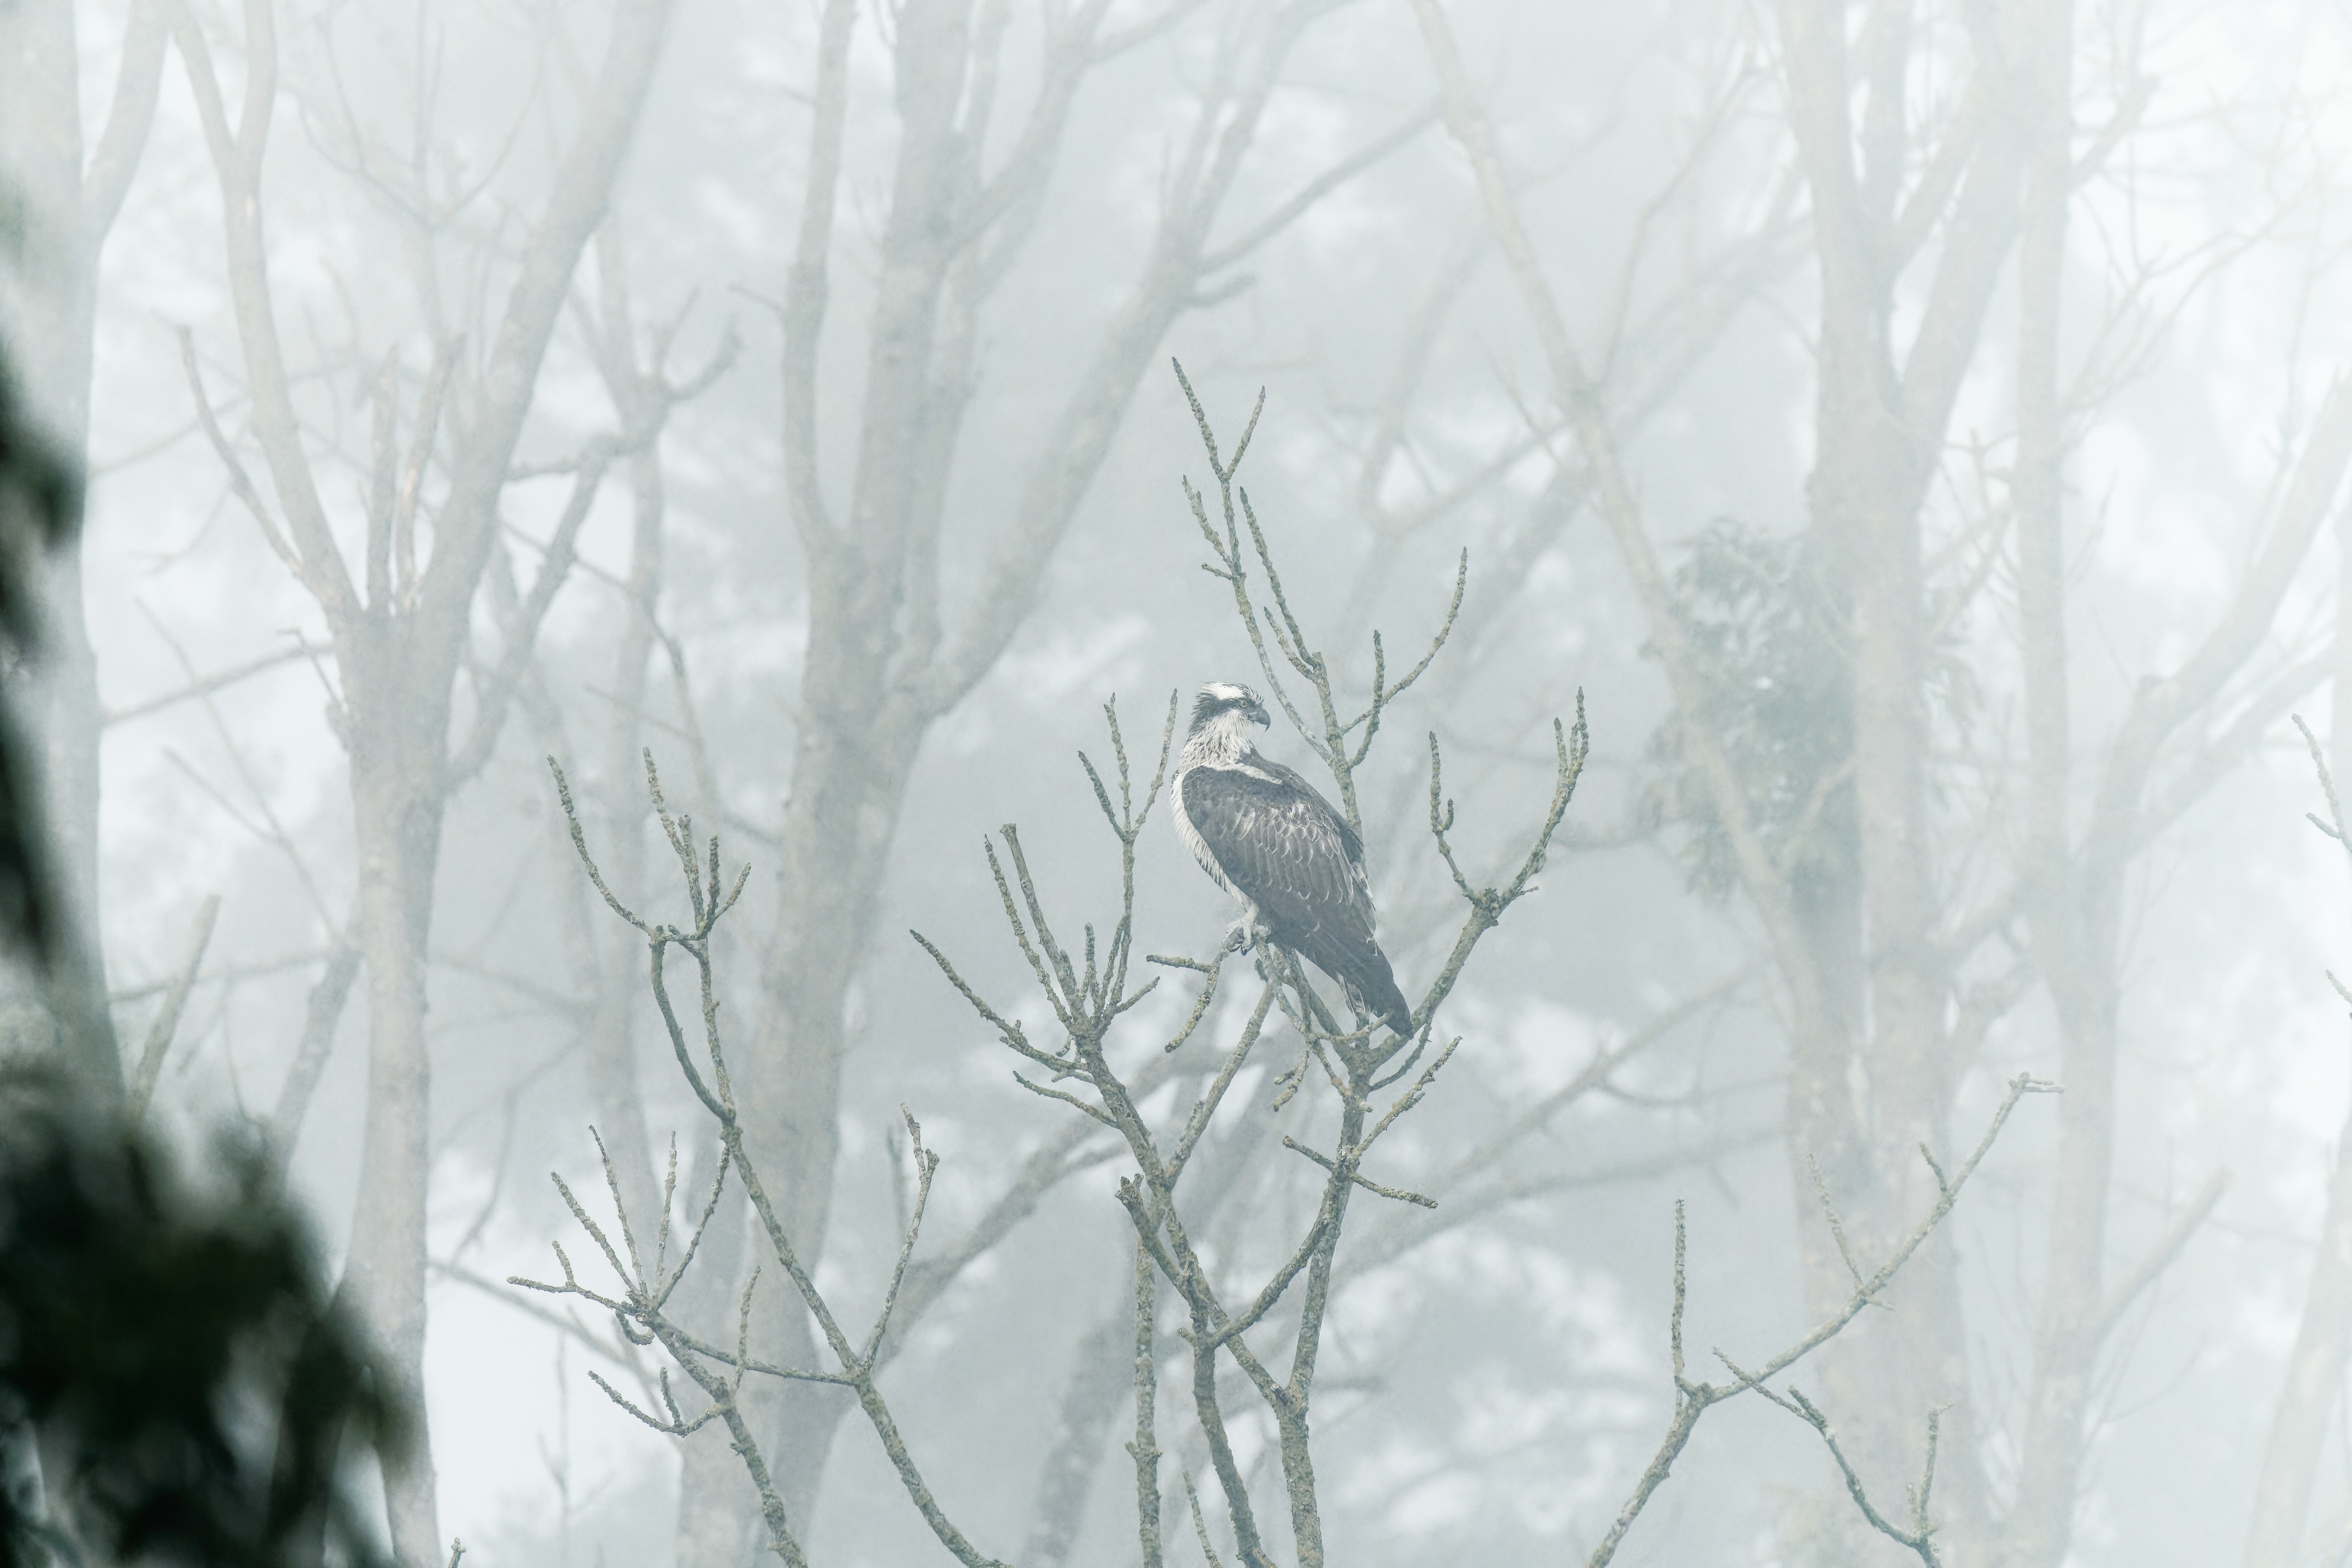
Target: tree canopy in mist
<point x="1918" y="432"/>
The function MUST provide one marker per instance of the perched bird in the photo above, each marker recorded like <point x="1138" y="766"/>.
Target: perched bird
<point x="1292" y="863"/>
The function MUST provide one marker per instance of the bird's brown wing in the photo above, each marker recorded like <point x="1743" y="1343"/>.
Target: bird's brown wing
<point x="1283" y="847"/>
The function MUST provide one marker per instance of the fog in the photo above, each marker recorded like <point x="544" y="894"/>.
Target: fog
<point x="1913" y="437"/>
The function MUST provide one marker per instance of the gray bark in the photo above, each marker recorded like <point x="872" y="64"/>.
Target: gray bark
<point x="1101" y="1382"/>
<point x="2080" y="986"/>
<point x="1880" y="423"/>
<point x="2322" y="1345"/>
<point x="882" y="663"/>
<point x="398" y="655"/>
<point x="71" y="196"/>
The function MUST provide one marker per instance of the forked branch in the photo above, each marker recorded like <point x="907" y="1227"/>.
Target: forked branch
<point x="1695" y="1399"/>
<point x="1085" y="985"/>
<point x="640" y="1305"/>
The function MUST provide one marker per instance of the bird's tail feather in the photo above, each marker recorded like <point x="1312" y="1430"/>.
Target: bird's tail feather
<point x="1368" y="979"/>
<point x="1383" y="998"/>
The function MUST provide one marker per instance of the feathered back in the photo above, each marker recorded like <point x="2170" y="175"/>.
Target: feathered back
<point x="1282" y="846"/>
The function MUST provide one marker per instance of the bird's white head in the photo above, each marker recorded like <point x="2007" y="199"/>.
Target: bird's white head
<point x="1222" y="715"/>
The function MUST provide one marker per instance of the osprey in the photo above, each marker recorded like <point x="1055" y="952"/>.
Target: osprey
<point x="1292" y="863"/>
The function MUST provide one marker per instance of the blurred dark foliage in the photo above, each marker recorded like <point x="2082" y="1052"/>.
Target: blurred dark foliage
<point x="171" y="1354"/>
<point x="1769" y="623"/>
<point x="1771" y="647"/>
<point x="40" y="508"/>
<point x="175" y="1378"/>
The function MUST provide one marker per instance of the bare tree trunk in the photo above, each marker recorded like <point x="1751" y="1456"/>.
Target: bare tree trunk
<point x="2323" y="1345"/>
<point x="400" y="637"/>
<point x="882" y="663"/>
<point x="2315" y="1372"/>
<point x="1872" y="1075"/>
<point x="2078" y="974"/>
<point x="71" y="206"/>
<point x="1880" y="425"/>
<point x="610" y="1046"/>
<point x="1101" y="1382"/>
<point x="2079" y="1311"/>
<point x="394" y="733"/>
